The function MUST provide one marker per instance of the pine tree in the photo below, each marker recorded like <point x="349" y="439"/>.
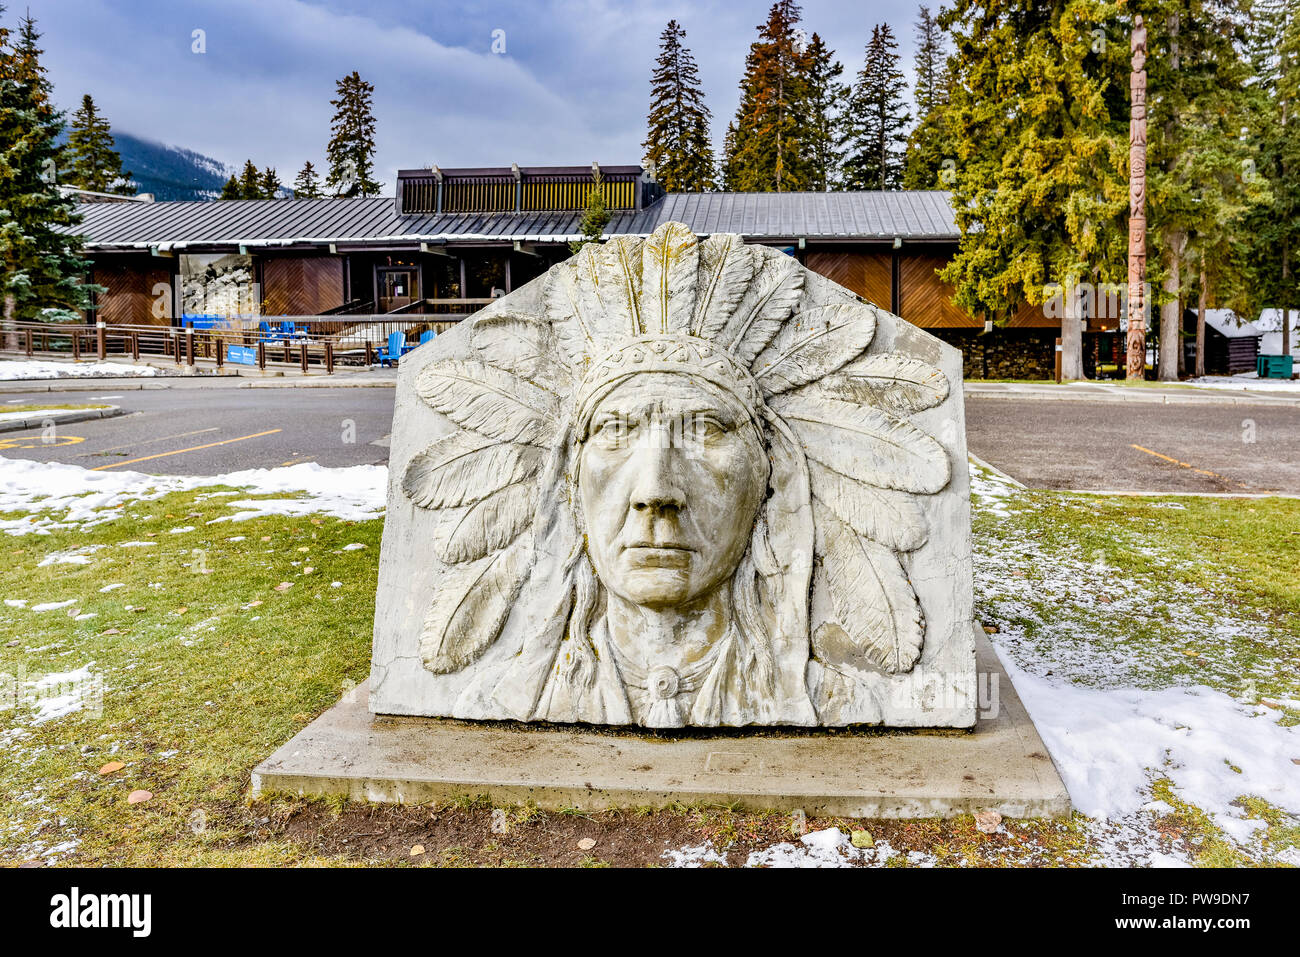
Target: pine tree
<point x="232" y="189"/>
<point x="92" y="162"/>
<point x="250" y="181"/>
<point x="270" y="184"/>
<point x="1196" y="155"/>
<point x="307" y="184"/>
<point x="878" y="117"/>
<point x="767" y="146"/>
<point x="827" y="101"/>
<point x="595" y="217"/>
<point x="928" y="145"/>
<point x="677" y="141"/>
<point x="1039" y="130"/>
<point x="41" y="271"/>
<point x="351" y="148"/>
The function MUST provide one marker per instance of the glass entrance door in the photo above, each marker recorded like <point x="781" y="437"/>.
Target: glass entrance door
<point x="397" y="287"/>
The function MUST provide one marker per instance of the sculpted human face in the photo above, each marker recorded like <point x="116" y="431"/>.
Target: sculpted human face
<point x="671" y="475"/>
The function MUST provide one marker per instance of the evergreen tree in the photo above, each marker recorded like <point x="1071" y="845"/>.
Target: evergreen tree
<point x="250" y="181"/>
<point x="595" y="217"/>
<point x="232" y="189"/>
<point x="928" y="146"/>
<point x="41" y="271"/>
<point x="1196" y="155"/>
<point x="677" y="141"/>
<point x="307" y="184"/>
<point x="767" y="147"/>
<point x="878" y="117"/>
<point x="1268" y="236"/>
<point x="91" y="161"/>
<point x="270" y="184"/>
<point x="1039" y="130"/>
<point x="827" y="101"/>
<point x="351" y="148"/>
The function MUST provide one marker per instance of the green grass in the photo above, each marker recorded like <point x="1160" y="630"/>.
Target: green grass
<point x="203" y="682"/>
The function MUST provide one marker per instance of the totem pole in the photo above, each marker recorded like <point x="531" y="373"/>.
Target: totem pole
<point x="1137" y="194"/>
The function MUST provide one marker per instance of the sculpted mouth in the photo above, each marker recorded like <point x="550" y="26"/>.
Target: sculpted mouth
<point x="649" y="555"/>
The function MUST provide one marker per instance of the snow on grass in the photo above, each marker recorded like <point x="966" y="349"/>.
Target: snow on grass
<point x="41" y="369"/>
<point x="53" y="605"/>
<point x="41" y="413"/>
<point x="74" y="556"/>
<point x="1247" y="380"/>
<point x="58" y="496"/>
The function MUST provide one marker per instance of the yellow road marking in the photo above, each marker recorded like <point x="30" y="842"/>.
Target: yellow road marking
<point x="37" y="442"/>
<point x="163" y="455"/>
<point x="1215" y="475"/>
<point x="164" y="438"/>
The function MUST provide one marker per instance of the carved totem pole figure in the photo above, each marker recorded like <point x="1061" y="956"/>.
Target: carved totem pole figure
<point x="1137" y="221"/>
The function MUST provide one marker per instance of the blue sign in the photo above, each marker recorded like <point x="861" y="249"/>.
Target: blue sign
<point x="241" y="355"/>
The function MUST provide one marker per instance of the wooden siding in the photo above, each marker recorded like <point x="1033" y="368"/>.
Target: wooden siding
<point x="867" y="274"/>
<point x="130" y="283"/>
<point x="301" y="285"/>
<point x="926" y="300"/>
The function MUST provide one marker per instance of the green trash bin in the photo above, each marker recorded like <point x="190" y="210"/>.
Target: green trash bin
<point x="1274" y="367"/>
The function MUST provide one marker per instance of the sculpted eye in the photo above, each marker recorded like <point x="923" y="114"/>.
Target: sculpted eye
<point x="705" y="428"/>
<point x="611" y="432"/>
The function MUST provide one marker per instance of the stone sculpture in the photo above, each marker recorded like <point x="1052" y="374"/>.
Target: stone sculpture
<point x="678" y="482"/>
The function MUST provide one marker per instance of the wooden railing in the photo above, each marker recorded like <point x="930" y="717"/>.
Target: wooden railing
<point x="307" y="342"/>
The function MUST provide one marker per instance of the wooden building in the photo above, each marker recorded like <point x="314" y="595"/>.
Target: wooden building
<point x="470" y="234"/>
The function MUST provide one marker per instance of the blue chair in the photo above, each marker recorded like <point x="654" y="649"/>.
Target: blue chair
<point x="426" y="336"/>
<point x="389" y="355"/>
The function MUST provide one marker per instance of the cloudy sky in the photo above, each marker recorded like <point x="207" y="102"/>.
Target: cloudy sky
<point x="571" y="86"/>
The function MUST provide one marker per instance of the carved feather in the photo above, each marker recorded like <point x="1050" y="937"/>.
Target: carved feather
<point x="523" y="346"/>
<point x="465" y="467"/>
<point x="670" y="259"/>
<point x="726" y="267"/>
<point x="609" y="283"/>
<point x="813" y="344"/>
<point x="489" y="401"/>
<point x="874" y="602"/>
<point x="893" y="519"/>
<point x="865" y="444"/>
<point x="896" y="383"/>
<point x="470" y="608"/>
<point x="467" y="534"/>
<point x="771" y="297"/>
<point x="571" y="314"/>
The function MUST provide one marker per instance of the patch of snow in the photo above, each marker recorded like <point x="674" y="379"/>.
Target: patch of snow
<point x="113" y="587"/>
<point x="53" y="605"/>
<point x="42" y="369"/>
<point x="75" y="556"/>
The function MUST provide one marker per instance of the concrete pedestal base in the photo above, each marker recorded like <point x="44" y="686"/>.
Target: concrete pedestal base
<point x="1001" y="765"/>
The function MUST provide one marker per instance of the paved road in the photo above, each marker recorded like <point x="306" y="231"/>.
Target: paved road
<point x="1139" y="447"/>
<point x="211" y="431"/>
<point x="1045" y="444"/>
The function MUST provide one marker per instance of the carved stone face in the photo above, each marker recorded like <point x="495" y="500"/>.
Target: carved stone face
<point x="671" y="475"/>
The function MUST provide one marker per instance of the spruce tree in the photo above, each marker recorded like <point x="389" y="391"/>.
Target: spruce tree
<point x="595" y="217"/>
<point x="767" y="149"/>
<point x="351" y="148"/>
<point x="250" y="181"/>
<point x="270" y="184"/>
<point x="878" y="117"/>
<point x="41" y="271"/>
<point x="232" y="189"/>
<point x="91" y="161"/>
<point x="827" y="101"/>
<point x="928" y="145"/>
<point x="307" y="183"/>
<point x="1039" y="132"/>
<point x="677" y="140"/>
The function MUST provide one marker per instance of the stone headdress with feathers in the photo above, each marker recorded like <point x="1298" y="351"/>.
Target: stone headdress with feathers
<point x="847" y="465"/>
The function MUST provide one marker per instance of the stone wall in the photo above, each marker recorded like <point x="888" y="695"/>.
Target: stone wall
<point x="1004" y="353"/>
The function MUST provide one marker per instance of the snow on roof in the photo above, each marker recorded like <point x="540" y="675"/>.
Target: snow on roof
<point x="1228" y="324"/>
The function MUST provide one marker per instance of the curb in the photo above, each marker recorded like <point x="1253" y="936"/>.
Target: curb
<point x="38" y="420"/>
<point x="1158" y="399"/>
<point x="139" y="384"/>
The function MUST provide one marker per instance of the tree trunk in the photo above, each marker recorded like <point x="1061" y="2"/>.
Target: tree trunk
<point x="10" y="311"/>
<point x="1071" y="337"/>
<point x="1286" y="307"/>
<point x="1170" y="312"/>
<point x="1200" y="330"/>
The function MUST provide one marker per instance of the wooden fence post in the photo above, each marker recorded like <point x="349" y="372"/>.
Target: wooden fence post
<point x="29" y="343"/>
<point x="189" y="346"/>
<point x="304" y="357"/>
<point x="220" y="353"/>
<point x="329" y="357"/>
<point x="76" y="346"/>
<point x="261" y="355"/>
<point x="100" y="339"/>
<point x="135" y="347"/>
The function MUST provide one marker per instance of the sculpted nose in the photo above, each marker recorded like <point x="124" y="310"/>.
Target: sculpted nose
<point x="656" y="487"/>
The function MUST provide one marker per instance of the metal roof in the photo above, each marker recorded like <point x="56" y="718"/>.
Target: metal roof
<point x="865" y="216"/>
